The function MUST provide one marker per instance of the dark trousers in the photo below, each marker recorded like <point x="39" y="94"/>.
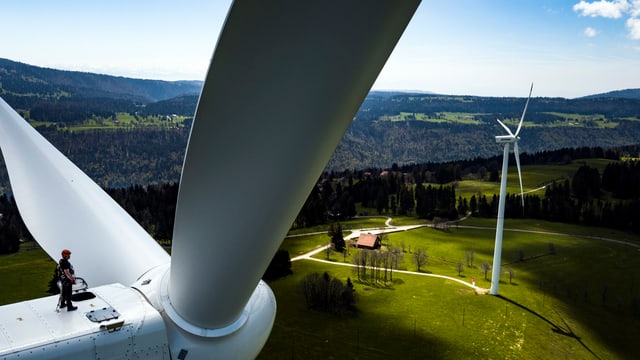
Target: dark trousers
<point x="66" y="293"/>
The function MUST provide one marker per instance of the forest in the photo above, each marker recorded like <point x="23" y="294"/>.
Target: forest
<point x="77" y="111"/>
<point x="428" y="191"/>
<point x="608" y="199"/>
<point x="432" y="140"/>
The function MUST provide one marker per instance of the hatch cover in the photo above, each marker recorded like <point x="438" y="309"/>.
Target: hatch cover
<point x="103" y="314"/>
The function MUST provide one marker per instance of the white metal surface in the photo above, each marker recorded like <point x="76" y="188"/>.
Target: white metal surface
<point x="284" y="83"/>
<point x="34" y="330"/>
<point x="507" y="140"/>
<point x="496" y="268"/>
<point x="64" y="209"/>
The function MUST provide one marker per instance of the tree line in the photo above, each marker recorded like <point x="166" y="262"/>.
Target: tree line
<point x="428" y="191"/>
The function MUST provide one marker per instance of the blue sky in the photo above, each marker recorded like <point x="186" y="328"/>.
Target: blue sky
<point x="463" y="47"/>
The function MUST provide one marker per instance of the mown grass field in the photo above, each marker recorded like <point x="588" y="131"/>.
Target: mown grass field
<point x="123" y="121"/>
<point x="534" y="177"/>
<point x="25" y="275"/>
<point x="581" y="302"/>
<point x="564" y="119"/>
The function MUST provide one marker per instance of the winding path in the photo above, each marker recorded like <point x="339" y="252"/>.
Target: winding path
<point x="387" y="229"/>
<point x="390" y="228"/>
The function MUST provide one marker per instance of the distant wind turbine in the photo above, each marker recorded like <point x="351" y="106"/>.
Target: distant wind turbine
<point x="507" y="140"/>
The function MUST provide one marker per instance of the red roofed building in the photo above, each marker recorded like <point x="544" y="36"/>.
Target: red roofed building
<point x="368" y="241"/>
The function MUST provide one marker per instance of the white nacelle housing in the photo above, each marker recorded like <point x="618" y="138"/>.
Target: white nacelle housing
<point x="118" y="323"/>
<point x="501" y="139"/>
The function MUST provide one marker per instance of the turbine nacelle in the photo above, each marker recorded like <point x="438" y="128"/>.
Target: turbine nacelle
<point x="503" y="139"/>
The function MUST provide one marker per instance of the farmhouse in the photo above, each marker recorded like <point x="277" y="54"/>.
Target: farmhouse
<point x="368" y="241"/>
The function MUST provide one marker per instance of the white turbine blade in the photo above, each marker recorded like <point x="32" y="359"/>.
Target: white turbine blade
<point x="505" y="127"/>
<point x="63" y="208"/>
<point x="283" y="86"/>
<point x="517" y="155"/>
<point x="524" y="111"/>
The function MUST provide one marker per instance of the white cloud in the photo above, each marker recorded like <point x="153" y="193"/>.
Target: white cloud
<point x="633" y="24"/>
<point x="613" y="9"/>
<point x="608" y="9"/>
<point x="590" y="32"/>
<point x="635" y="8"/>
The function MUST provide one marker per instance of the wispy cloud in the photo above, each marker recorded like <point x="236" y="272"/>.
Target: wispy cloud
<point x="612" y="9"/>
<point x="590" y="32"/>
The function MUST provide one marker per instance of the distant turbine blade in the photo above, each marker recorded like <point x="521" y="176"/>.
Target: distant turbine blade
<point x="504" y="126"/>
<point x="517" y="155"/>
<point x="63" y="208"/>
<point x="524" y="112"/>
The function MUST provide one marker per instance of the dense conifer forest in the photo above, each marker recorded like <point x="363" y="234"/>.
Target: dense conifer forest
<point x="428" y="191"/>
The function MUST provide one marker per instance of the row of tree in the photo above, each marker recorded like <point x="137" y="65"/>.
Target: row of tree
<point x="582" y="200"/>
<point x="588" y="197"/>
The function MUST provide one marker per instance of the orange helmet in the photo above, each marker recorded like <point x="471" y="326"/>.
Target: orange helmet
<point x="66" y="252"/>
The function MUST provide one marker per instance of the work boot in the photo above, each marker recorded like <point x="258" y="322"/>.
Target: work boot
<point x="71" y="308"/>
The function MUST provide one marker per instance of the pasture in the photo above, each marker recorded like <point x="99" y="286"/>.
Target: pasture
<point x="580" y="302"/>
<point x="534" y="177"/>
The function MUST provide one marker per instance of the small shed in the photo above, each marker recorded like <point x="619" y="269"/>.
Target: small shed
<point x="369" y="241"/>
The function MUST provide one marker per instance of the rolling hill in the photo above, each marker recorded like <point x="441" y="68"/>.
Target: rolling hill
<point x="623" y="94"/>
<point x="25" y="86"/>
<point x="390" y="128"/>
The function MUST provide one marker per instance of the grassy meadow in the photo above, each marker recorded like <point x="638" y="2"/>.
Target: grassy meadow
<point x="534" y="177"/>
<point x="573" y="293"/>
<point x="122" y="121"/>
<point x="580" y="302"/>
<point x="563" y="119"/>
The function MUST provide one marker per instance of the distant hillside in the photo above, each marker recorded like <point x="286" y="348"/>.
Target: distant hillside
<point x="181" y="105"/>
<point x="622" y="94"/>
<point x="418" y="128"/>
<point x="23" y="79"/>
<point x="390" y="127"/>
<point x="71" y="96"/>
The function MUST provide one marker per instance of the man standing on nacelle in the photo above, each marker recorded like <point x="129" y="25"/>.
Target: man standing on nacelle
<point x="67" y="280"/>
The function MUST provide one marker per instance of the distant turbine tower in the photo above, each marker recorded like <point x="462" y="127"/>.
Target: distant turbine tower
<point x="507" y="140"/>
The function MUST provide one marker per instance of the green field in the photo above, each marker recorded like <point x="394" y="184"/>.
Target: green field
<point x="25" y="275"/>
<point x="564" y="119"/>
<point x="582" y="302"/>
<point x="123" y="121"/>
<point x="533" y="176"/>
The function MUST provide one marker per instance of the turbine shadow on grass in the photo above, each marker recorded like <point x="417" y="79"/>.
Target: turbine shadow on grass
<point x="555" y="328"/>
